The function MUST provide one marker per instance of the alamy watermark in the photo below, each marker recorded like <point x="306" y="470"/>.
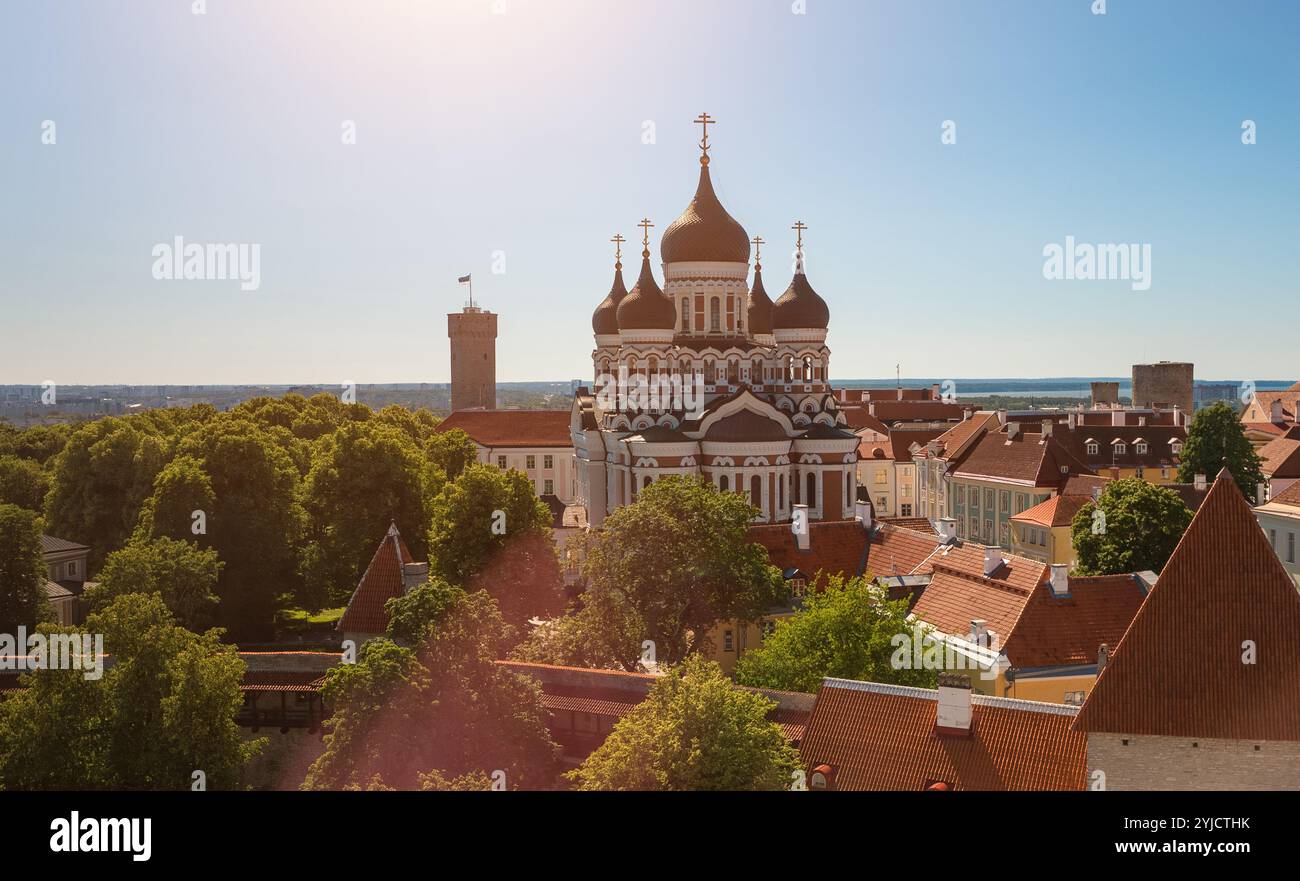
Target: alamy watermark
<point x="54" y="651"/>
<point x="1103" y="262"/>
<point x="178" y="261"/>
<point x="661" y="393"/>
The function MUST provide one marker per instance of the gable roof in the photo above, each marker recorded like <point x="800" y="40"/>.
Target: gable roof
<point x="1027" y="458"/>
<point x="843" y="547"/>
<point x="953" y="599"/>
<point x="882" y="737"/>
<point x="381" y="582"/>
<point x="1179" y="669"/>
<point x="512" y="428"/>
<point x="1280" y="457"/>
<point x="1063" y="630"/>
<point x="1056" y="511"/>
<point x="52" y="545"/>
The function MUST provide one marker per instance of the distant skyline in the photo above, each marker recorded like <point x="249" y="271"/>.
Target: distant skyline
<point x="514" y="141"/>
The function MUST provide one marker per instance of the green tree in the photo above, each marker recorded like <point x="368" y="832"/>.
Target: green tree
<point x="23" y="483"/>
<point x="165" y="709"/>
<point x="100" y="481"/>
<point x="695" y="731"/>
<point x="255" y="522"/>
<point x="682" y="561"/>
<point x="363" y="476"/>
<point x="22" y="571"/>
<point x="846" y="629"/>
<point x="441" y="713"/>
<point x="41" y="443"/>
<point x="490" y="531"/>
<point x="180" y="489"/>
<point x="1214" y="439"/>
<point x="182" y="574"/>
<point x="451" y="451"/>
<point x="1133" y="527"/>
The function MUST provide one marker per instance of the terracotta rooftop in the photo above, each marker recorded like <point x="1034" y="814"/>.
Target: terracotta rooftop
<point x="512" y="428"/>
<point x="1065" y="630"/>
<point x="843" y="547"/>
<point x="1179" y="669"/>
<point x="883" y="737"/>
<point x="1289" y="496"/>
<point x="381" y="582"/>
<point x="952" y="600"/>
<point x="1281" y="456"/>
<point x="1056" y="511"/>
<point x="1027" y="458"/>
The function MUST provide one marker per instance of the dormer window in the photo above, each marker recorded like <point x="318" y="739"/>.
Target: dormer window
<point x="1120" y="448"/>
<point x="1140" y="449"/>
<point x="1093" y="448"/>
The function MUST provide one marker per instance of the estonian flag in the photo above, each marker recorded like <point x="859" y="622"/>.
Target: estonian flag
<point x="464" y="279"/>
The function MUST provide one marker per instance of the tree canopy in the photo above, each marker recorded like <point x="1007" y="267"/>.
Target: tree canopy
<point x="22" y="571"/>
<point x="1214" y="439"/>
<point x="1134" y="526"/>
<point x="845" y="629"/>
<point x="182" y="574"/>
<point x="695" y="731"/>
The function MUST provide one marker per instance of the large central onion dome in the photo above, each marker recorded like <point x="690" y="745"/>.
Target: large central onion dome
<point x="647" y="307"/>
<point x="604" y="321"/>
<point x="705" y="231"/>
<point x="800" y="306"/>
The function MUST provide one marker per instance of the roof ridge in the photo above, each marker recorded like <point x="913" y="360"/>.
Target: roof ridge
<point x="932" y="694"/>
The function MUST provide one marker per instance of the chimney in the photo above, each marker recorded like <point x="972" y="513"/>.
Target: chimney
<point x="413" y="575"/>
<point x="1180" y="418"/>
<point x="844" y="395"/>
<point x="1261" y="493"/>
<point x="965" y="414"/>
<point x="1275" y="411"/>
<point x="948" y="529"/>
<point x="953" y="713"/>
<point x="1073" y="420"/>
<point x="900" y="394"/>
<point x="1013" y="429"/>
<point x="871" y="407"/>
<point x="864" y="514"/>
<point x="1060" y="579"/>
<point x="934" y="392"/>
<point x="1199" y="482"/>
<point x="800" y="525"/>
<point x="1103" y="657"/>
<point x="992" y="560"/>
<point x="1002" y="417"/>
<point x="1117" y="417"/>
<point x="1048" y="425"/>
<point x="979" y="631"/>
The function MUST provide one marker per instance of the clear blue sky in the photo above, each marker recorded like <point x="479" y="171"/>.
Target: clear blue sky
<point x="521" y="132"/>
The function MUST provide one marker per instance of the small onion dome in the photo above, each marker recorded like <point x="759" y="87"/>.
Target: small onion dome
<point x="760" y="305"/>
<point x="799" y="306"/>
<point x="705" y="231"/>
<point x="604" y="321"/>
<point x="646" y="307"/>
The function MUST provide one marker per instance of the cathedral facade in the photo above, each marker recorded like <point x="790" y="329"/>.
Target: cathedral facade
<point x="707" y="376"/>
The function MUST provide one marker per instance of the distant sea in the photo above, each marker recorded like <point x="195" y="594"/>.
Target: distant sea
<point x="1055" y="387"/>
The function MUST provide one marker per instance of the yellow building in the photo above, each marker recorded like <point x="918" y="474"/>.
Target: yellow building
<point x="1043" y="531"/>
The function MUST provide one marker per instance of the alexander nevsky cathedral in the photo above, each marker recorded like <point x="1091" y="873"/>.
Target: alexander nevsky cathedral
<point x="757" y="414"/>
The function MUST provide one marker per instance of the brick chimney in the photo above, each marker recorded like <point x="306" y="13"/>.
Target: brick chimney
<point x="992" y="560"/>
<point x="1060" y="579"/>
<point x="863" y="514"/>
<point x="413" y="575"/>
<point x="948" y="529"/>
<point x="953" y="712"/>
<point x="1048" y="425"/>
<point x="1013" y="430"/>
<point x="1103" y="657"/>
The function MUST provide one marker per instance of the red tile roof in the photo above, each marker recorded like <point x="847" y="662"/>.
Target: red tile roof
<point x="1281" y="456"/>
<point x="1027" y="458"/>
<point x="1057" y="631"/>
<point x="1056" y="511"/>
<point x="882" y="737"/>
<point x="842" y="547"/>
<point x="1179" y="669"/>
<point x="914" y="411"/>
<point x="381" y="582"/>
<point x="858" y="418"/>
<point x="916" y="524"/>
<point x="1289" y="496"/>
<point x="953" y="442"/>
<point x="952" y="600"/>
<point x="512" y="428"/>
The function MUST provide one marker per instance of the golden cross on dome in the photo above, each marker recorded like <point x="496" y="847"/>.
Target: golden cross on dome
<point x="758" y="246"/>
<point x="799" y="227"/>
<point x="645" y="225"/>
<point x="618" y="241"/>
<point x="705" y="121"/>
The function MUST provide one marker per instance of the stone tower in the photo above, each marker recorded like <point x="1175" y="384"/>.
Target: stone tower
<point x="473" y="333"/>
<point x="1165" y="384"/>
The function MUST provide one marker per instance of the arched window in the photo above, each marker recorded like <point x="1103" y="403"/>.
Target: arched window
<point x="686" y="313"/>
<point x="807" y="368"/>
<point x="756" y="491"/>
<point x="789" y="368"/>
<point x="645" y="482"/>
<point x="812" y="489"/>
<point x="724" y="483"/>
<point x="780" y="492"/>
<point x="715" y="314"/>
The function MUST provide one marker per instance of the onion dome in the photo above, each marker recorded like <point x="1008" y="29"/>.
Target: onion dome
<point x="800" y="307"/>
<point x="604" y="321"/>
<point x="705" y="231"/>
<point x="760" y="305"/>
<point x="647" y="307"/>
